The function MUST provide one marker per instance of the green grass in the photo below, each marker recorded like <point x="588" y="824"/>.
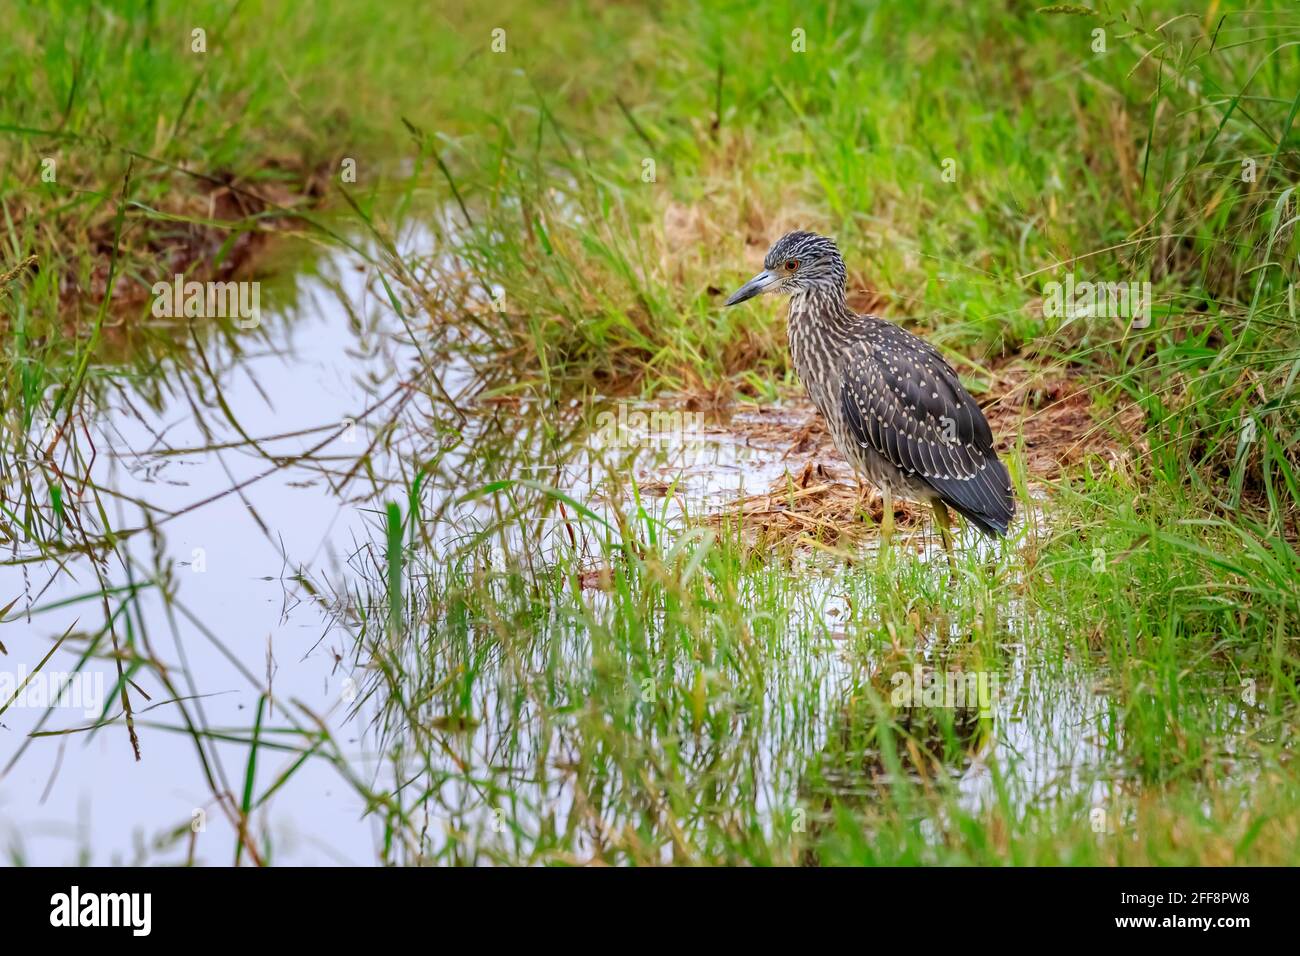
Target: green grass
<point x="704" y="707"/>
<point x="700" y="705"/>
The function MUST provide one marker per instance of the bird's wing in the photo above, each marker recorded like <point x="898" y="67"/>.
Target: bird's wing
<point x="901" y="399"/>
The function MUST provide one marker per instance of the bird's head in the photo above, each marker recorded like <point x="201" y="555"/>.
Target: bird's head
<point x="797" y="262"/>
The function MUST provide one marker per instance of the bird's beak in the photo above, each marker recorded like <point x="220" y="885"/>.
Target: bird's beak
<point x="762" y="282"/>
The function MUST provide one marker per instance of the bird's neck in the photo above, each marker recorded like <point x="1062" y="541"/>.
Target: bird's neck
<point x="821" y="327"/>
<point x="826" y="310"/>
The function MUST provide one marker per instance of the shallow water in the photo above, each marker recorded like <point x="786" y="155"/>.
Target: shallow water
<point x="238" y="560"/>
<point x="270" y="542"/>
<point x="84" y="794"/>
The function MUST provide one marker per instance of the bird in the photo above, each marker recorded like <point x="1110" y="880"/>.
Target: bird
<point x="895" y="408"/>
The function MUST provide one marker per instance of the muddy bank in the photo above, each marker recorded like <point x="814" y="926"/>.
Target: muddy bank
<point x="212" y="227"/>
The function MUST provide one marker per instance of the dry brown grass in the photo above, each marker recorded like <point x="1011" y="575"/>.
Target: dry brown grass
<point x="1050" y="416"/>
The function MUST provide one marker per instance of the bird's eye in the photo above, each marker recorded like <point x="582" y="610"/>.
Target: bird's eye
<point x="792" y="264"/>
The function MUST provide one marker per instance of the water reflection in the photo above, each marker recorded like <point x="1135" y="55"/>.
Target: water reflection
<point x="459" y="624"/>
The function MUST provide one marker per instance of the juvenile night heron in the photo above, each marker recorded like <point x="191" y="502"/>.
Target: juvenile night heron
<point x="895" y="408"/>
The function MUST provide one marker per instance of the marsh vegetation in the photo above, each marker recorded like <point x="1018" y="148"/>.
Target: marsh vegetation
<point x="494" y="539"/>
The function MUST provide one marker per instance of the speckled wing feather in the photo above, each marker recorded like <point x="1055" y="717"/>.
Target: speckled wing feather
<point x="902" y="400"/>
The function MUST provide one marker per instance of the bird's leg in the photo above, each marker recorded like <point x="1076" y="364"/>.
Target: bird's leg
<point x="860" y="505"/>
<point x="945" y="532"/>
<point x="886" y="519"/>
